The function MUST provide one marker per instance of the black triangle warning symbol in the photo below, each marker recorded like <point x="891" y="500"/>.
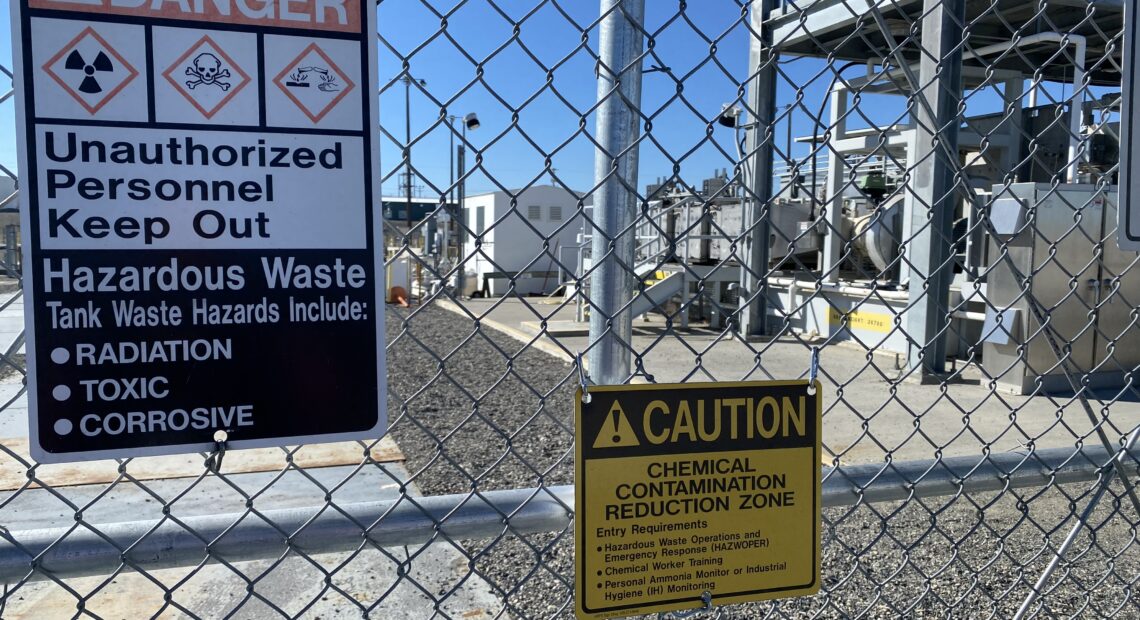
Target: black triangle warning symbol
<point x="616" y="431"/>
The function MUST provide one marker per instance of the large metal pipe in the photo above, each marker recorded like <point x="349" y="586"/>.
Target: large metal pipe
<point x="615" y="199"/>
<point x="101" y="549"/>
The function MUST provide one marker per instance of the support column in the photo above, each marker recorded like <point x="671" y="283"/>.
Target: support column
<point x="761" y="113"/>
<point x="615" y="201"/>
<point x="833" y="242"/>
<point x="1012" y="91"/>
<point x="934" y="165"/>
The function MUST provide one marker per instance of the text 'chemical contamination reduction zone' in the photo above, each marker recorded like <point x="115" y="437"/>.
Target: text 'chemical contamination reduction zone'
<point x="692" y="488"/>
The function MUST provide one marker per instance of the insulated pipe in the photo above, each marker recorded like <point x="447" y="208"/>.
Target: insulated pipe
<point x="1075" y="108"/>
<point x="812" y="285"/>
<point x="102" y="549"/>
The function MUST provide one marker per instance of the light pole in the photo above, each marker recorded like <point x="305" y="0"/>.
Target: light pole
<point x="451" y="159"/>
<point x="470" y="121"/>
<point x="450" y="208"/>
<point x="407" y="80"/>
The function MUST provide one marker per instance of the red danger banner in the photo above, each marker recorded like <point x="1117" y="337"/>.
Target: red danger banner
<point x="333" y="15"/>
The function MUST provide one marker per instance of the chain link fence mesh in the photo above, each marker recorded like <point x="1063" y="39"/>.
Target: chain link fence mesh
<point x="924" y="191"/>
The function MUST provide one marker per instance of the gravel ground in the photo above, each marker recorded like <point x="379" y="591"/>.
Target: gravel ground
<point x="476" y="409"/>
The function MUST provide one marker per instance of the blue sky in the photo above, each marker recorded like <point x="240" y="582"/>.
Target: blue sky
<point x="515" y="77"/>
<point x="549" y="114"/>
<point x="7" y="118"/>
<point x="511" y="77"/>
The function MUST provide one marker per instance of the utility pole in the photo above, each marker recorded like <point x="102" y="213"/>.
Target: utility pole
<point x="407" y="80"/>
<point x="470" y="121"/>
<point x="452" y="210"/>
<point x="461" y="230"/>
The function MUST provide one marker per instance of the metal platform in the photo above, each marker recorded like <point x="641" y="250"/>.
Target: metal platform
<point x="849" y="30"/>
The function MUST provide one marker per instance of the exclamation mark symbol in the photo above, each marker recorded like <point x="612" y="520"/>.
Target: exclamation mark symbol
<point x="619" y="434"/>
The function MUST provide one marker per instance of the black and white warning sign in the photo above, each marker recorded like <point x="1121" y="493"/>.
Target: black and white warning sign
<point x="200" y="248"/>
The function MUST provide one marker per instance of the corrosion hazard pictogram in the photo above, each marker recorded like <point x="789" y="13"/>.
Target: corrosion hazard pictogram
<point x="616" y="432"/>
<point x="314" y="82"/>
<point x="90" y="70"/>
<point x="206" y="76"/>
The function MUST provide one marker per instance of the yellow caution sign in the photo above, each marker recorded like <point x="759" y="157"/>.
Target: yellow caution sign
<point x="684" y="489"/>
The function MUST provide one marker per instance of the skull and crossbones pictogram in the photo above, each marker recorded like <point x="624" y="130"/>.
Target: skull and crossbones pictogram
<point x="208" y="69"/>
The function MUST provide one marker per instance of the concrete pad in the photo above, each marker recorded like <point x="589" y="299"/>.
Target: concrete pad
<point x="399" y="582"/>
<point x="11" y="319"/>
<point x="13" y="474"/>
<point x="13" y="408"/>
<point x="558" y="328"/>
<point x="871" y="413"/>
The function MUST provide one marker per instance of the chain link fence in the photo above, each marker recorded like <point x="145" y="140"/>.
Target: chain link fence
<point x="923" y="191"/>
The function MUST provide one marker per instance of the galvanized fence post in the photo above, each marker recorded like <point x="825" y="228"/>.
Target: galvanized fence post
<point x="615" y="200"/>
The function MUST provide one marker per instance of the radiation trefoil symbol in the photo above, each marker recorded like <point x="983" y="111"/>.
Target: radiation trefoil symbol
<point x="90" y="83"/>
<point x="90" y="70"/>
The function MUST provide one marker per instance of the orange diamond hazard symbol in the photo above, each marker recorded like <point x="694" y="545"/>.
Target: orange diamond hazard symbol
<point x="314" y="82"/>
<point x="90" y="70"/>
<point x="206" y="76"/>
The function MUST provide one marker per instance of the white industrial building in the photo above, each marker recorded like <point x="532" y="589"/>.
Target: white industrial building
<point x="509" y="232"/>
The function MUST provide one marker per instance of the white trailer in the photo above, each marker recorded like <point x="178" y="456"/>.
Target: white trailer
<point x="515" y="237"/>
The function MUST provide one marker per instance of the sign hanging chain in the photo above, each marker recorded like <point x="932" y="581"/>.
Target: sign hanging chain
<point x="813" y="369"/>
<point x="214" y="461"/>
<point x="583" y="378"/>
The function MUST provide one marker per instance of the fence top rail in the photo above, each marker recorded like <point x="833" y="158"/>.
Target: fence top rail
<point x="59" y="553"/>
